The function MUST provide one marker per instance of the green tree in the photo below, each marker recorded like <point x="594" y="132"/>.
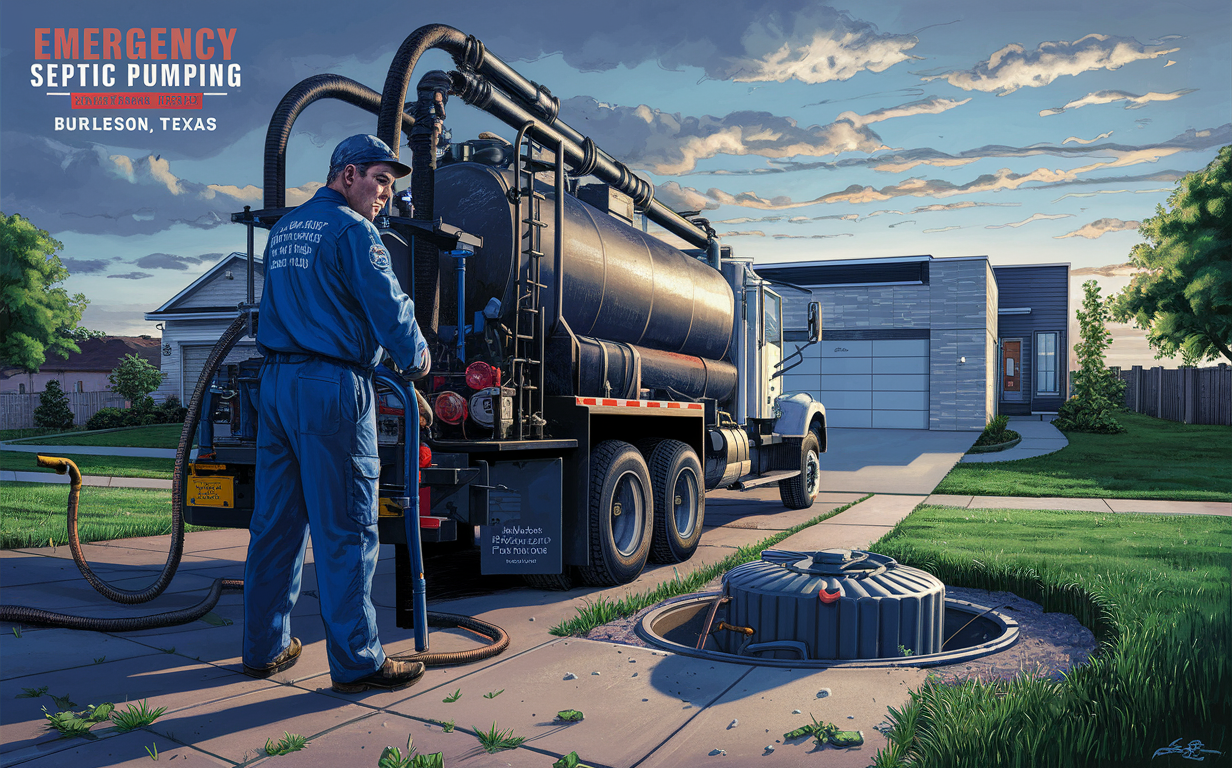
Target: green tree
<point x="1098" y="391"/>
<point x="134" y="379"/>
<point x="33" y="309"/>
<point x="53" y="411"/>
<point x="1183" y="299"/>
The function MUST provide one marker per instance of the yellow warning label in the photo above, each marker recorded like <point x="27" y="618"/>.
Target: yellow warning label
<point x="216" y="491"/>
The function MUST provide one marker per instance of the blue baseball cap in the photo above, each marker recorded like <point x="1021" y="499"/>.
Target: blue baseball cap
<point x="364" y="148"/>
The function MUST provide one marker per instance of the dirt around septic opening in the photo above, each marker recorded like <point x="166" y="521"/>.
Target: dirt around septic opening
<point x="1049" y="644"/>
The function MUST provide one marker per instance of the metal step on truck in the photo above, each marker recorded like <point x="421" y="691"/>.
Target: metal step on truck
<point x="590" y="381"/>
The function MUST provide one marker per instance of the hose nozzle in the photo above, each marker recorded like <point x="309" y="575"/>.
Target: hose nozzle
<point x="61" y="466"/>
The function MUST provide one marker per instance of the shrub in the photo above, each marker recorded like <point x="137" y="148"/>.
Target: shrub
<point x="1098" y="391"/>
<point x="170" y="411"/>
<point x="106" y="418"/>
<point x="134" y="379"/>
<point x="53" y="411"/>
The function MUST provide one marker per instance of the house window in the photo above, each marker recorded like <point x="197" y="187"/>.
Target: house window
<point x="21" y="389"/>
<point x="1046" y="364"/>
<point x="81" y="386"/>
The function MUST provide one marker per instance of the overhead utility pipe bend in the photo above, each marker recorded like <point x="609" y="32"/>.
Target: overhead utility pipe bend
<point x="515" y="100"/>
<point x="311" y="89"/>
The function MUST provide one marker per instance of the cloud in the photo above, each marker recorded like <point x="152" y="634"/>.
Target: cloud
<point x="1034" y="217"/>
<point x="818" y="45"/>
<point x="680" y="198"/>
<point x="83" y="266"/>
<point x="935" y="207"/>
<point x="929" y="106"/>
<point x="1014" y="67"/>
<point x="902" y="160"/>
<point x="900" y="223"/>
<point x="1101" y="227"/>
<point x="1108" y="270"/>
<point x="171" y="261"/>
<point x="940" y="229"/>
<point x="1110" y="97"/>
<point x="1087" y="141"/>
<point x="132" y="276"/>
<point x="1112" y="192"/>
<point x="920" y="187"/>
<point x="749" y="233"/>
<point x="812" y="237"/>
<point x="744" y="219"/>
<point x="670" y="144"/>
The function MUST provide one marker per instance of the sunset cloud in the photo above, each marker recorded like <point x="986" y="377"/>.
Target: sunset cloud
<point x="1101" y="227"/>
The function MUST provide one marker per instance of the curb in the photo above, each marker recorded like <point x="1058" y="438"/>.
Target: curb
<point x="995" y="448"/>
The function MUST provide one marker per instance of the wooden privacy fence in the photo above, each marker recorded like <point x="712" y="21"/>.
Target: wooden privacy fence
<point x="17" y="409"/>
<point x="1189" y="395"/>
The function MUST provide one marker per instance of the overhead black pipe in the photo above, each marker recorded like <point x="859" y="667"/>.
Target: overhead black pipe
<point x="519" y="100"/>
<point x="325" y="86"/>
<point x="429" y="110"/>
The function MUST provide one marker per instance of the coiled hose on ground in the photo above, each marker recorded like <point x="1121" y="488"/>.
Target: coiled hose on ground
<point x="29" y="615"/>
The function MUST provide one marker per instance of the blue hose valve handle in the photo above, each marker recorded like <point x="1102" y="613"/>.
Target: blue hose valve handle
<point x="410" y="503"/>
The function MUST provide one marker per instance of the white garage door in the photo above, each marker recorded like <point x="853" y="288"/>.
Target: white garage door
<point x="879" y="383"/>
<point x="194" y="357"/>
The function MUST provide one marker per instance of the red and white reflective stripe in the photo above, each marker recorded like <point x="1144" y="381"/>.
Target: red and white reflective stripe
<point x="607" y="401"/>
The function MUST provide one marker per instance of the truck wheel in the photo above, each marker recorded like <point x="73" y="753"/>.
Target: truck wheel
<point x="798" y="492"/>
<point x="619" y="516"/>
<point x="679" y="501"/>
<point x="552" y="582"/>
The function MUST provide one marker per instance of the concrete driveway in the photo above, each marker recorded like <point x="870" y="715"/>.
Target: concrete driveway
<point x="890" y="460"/>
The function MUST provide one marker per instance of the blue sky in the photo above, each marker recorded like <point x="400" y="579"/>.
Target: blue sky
<point x="1030" y="133"/>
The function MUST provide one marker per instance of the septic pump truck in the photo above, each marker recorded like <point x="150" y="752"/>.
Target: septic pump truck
<point x="590" y="381"/>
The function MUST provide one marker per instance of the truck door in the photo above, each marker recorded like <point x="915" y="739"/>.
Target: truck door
<point x="770" y="349"/>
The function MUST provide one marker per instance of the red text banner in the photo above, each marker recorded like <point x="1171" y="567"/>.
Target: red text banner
<point x="138" y="100"/>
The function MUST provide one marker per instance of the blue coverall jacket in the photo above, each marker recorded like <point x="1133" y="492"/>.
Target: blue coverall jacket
<point x="329" y="305"/>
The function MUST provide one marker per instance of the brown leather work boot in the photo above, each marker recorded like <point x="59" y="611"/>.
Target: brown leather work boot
<point x="392" y="676"/>
<point x="285" y="661"/>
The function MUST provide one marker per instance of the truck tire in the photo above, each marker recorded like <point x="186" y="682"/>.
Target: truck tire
<point x="799" y="492"/>
<point x="679" y="501"/>
<point x="620" y="515"/>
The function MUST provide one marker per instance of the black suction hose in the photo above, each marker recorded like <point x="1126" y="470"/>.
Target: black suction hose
<point x="29" y="615"/>
<point x="37" y="616"/>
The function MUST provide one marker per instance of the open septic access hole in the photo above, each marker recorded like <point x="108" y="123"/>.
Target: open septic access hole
<point x="834" y="608"/>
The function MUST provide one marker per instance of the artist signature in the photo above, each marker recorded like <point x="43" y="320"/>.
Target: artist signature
<point x="1190" y="752"/>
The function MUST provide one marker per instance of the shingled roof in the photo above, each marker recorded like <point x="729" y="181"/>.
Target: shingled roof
<point x="99" y="355"/>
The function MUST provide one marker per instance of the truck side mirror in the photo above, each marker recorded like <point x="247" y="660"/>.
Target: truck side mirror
<point x="814" y="322"/>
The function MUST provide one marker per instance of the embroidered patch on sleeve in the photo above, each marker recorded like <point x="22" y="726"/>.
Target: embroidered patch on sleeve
<point x="379" y="256"/>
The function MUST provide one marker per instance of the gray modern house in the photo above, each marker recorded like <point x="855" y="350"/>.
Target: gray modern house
<point x="917" y="342"/>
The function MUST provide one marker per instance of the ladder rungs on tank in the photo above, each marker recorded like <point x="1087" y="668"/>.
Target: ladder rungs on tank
<point x="528" y="316"/>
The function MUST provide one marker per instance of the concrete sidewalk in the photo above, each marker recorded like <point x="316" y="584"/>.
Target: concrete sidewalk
<point x="1139" y="506"/>
<point x="643" y="707"/>
<point x="1039" y="438"/>
<point x="100" y="481"/>
<point x="89" y="450"/>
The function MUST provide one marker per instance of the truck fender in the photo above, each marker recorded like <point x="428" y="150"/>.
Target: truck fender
<point x="798" y="413"/>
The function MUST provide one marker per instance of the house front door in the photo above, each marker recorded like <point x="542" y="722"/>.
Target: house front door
<point x="1011" y="370"/>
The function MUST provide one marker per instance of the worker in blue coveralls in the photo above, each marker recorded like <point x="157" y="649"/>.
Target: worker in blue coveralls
<point x="329" y="306"/>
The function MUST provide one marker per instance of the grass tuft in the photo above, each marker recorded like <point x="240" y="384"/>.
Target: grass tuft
<point x="494" y="740"/>
<point x="136" y="716"/>
<point x="290" y="742"/>
<point x="596" y="613"/>
<point x="451" y="698"/>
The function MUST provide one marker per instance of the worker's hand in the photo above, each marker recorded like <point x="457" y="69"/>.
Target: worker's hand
<point x="421" y="368"/>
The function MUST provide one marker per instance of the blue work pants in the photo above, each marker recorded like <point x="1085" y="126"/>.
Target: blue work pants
<point x="317" y="470"/>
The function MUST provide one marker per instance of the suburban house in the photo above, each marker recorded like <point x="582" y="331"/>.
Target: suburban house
<point x="84" y="371"/>
<point x="193" y="320"/>
<point x="918" y="342"/>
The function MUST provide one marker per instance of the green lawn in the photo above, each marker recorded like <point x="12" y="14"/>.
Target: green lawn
<point x="34" y="514"/>
<point x="18" y="434"/>
<point x="113" y="466"/>
<point x="1154" y="459"/>
<point x="1166" y="673"/>
<point x="153" y="436"/>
